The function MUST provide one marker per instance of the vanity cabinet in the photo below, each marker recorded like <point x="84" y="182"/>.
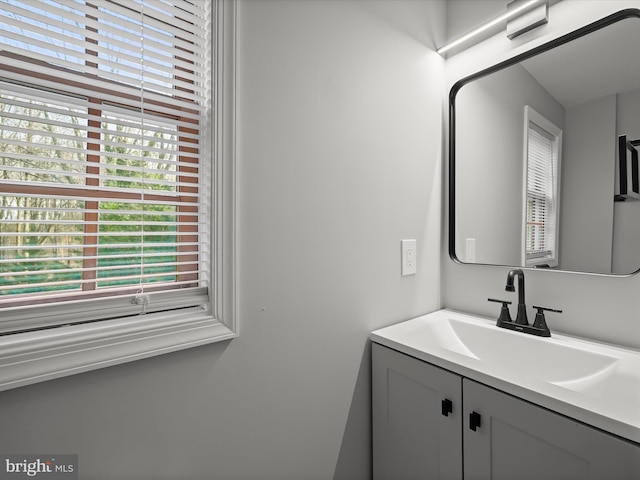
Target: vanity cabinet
<point x="486" y="434"/>
<point x="415" y="433"/>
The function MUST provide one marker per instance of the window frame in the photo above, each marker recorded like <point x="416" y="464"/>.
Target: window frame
<point x="555" y="133"/>
<point x="40" y="355"/>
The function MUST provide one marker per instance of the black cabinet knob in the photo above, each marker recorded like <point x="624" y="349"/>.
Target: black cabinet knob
<point x="475" y="421"/>
<point x="447" y="407"/>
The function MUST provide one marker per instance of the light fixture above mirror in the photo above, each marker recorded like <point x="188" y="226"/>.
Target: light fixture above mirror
<point x="519" y="17"/>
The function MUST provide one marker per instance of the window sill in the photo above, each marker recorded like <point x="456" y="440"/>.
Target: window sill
<point x="38" y="356"/>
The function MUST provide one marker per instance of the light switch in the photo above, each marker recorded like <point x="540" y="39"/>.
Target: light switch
<point x="409" y="257"/>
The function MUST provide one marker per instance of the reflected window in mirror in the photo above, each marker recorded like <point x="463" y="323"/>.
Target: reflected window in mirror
<point x="543" y="141"/>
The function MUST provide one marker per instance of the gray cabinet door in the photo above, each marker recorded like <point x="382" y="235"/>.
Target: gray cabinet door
<point x="517" y="440"/>
<point x="412" y="438"/>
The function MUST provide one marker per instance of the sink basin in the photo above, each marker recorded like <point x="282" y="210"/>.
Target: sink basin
<point x="593" y="382"/>
<point x="549" y="359"/>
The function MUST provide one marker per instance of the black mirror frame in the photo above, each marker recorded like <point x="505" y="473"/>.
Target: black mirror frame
<point x="592" y="27"/>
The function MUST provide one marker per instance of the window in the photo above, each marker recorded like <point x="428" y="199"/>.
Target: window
<point x="116" y="181"/>
<point x="543" y="142"/>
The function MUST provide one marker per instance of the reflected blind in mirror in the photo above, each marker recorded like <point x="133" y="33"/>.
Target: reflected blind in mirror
<point x="541" y="211"/>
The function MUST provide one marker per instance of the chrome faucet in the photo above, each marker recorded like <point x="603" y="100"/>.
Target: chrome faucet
<point x="521" y="317"/>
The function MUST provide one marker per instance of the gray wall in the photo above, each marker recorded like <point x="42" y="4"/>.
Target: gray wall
<point x="588" y="177"/>
<point x="600" y="307"/>
<point x="339" y="158"/>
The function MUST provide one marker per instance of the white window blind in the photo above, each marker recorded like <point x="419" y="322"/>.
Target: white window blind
<point x="104" y="178"/>
<point x="541" y="195"/>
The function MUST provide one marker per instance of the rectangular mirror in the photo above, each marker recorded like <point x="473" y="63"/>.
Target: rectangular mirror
<point x="541" y="154"/>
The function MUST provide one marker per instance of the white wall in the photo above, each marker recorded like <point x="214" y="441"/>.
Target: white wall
<point x="339" y="158"/>
<point x="600" y="307"/>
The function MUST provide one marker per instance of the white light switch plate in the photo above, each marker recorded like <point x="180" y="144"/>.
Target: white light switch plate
<point x="470" y="253"/>
<point x="409" y="257"/>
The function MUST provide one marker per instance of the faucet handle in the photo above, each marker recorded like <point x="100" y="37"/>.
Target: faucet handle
<point x="540" y="321"/>
<point x="505" y="316"/>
